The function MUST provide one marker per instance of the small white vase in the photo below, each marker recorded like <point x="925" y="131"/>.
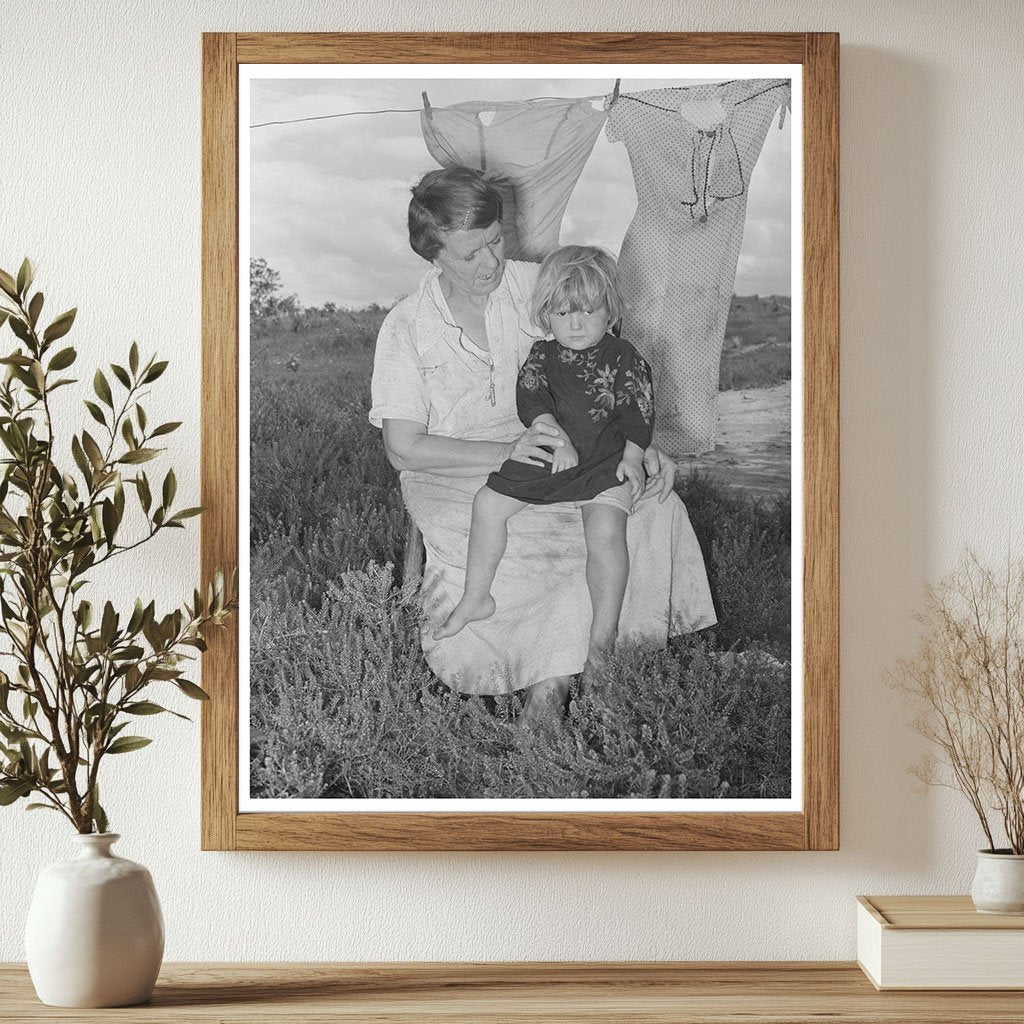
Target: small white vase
<point x="95" y="933"/>
<point x="999" y="882"/>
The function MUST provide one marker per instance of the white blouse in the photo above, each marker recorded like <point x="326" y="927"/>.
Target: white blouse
<point x="427" y="370"/>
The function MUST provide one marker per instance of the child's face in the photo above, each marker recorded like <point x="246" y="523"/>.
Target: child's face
<point x="579" y="328"/>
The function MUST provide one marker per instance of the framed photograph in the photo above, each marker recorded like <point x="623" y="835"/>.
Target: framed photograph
<point x="520" y="419"/>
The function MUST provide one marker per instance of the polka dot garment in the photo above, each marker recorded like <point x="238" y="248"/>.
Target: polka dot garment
<point x="692" y="151"/>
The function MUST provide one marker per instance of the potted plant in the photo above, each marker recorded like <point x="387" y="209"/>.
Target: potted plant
<point x="967" y="679"/>
<point x="81" y="672"/>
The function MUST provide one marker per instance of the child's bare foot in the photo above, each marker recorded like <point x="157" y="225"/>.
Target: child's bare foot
<point x="465" y="611"/>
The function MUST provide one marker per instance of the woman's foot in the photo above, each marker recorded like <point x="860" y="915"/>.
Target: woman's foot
<point x="467" y="610"/>
<point x="545" y="705"/>
<point x="597" y="662"/>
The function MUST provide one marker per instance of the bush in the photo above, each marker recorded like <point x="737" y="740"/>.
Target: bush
<point x="343" y="706"/>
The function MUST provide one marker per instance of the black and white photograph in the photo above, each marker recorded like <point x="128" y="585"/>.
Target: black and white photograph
<point x="520" y="438"/>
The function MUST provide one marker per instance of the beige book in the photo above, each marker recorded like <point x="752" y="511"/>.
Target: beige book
<point x="938" y="942"/>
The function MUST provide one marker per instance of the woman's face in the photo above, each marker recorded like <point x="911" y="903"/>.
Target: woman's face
<point x="473" y="261"/>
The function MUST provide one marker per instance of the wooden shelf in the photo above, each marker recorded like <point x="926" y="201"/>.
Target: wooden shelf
<point x="640" y="993"/>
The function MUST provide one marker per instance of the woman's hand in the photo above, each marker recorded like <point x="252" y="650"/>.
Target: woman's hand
<point x="661" y="471"/>
<point x="527" y="448"/>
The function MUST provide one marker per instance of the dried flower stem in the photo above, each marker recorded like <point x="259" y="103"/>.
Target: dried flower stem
<point x="968" y="679"/>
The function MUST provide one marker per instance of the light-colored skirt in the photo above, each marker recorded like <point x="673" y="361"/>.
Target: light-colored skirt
<point x="542" y="623"/>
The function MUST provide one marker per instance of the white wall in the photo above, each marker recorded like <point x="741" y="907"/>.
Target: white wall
<point x="100" y="183"/>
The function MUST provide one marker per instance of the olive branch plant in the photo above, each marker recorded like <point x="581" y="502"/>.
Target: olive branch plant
<point x="79" y="675"/>
<point x="967" y="681"/>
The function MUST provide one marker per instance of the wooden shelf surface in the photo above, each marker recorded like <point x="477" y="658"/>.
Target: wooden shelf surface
<point x="522" y="993"/>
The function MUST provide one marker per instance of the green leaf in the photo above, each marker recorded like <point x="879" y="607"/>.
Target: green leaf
<point x="166" y="428"/>
<point x="92" y="449"/>
<point x="80" y="459"/>
<point x="145" y="498"/>
<point x="144" y="707"/>
<point x="133" y="358"/>
<point x="191" y="690"/>
<point x="140" y="415"/>
<point x="96" y="412"/>
<point x="170" y="488"/>
<point x="34" y="308"/>
<point x="60" y="326"/>
<point x="121" y="374"/>
<point x="126" y="744"/>
<point x="26" y="274"/>
<point x="119" y="499"/>
<point x="8" y="284"/>
<point x="12" y="733"/>
<point x="135" y="622"/>
<point x="139" y="455"/>
<point x="14" y="790"/>
<point x="99" y="816"/>
<point x="63" y="359"/>
<point x="102" y="388"/>
<point x="154" y="371"/>
<point x="128" y="433"/>
<point x="185" y="513"/>
<point x="109" y="521"/>
<point x="20" y="328"/>
<point x="108" y="627"/>
<point x="42" y="807"/>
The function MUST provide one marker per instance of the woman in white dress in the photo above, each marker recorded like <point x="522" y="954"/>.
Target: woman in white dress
<point x="443" y="392"/>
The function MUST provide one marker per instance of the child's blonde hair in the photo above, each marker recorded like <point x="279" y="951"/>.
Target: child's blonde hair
<point x="577" y="277"/>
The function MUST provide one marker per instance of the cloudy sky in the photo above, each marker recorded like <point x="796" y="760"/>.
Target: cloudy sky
<point x="328" y="198"/>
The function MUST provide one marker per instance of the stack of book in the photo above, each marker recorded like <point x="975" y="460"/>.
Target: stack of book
<point x="907" y="942"/>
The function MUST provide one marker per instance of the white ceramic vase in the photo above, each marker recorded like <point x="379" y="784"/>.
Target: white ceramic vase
<point x="999" y="882"/>
<point x="95" y="933"/>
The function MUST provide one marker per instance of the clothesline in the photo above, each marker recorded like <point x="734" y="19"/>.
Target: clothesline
<point x="614" y="94"/>
<point x="407" y="110"/>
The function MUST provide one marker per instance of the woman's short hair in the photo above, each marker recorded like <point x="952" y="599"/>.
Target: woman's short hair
<point x="450" y="199"/>
<point x="577" y="277"/>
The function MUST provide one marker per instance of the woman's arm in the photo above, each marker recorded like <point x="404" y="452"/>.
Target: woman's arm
<point x="409" y="446"/>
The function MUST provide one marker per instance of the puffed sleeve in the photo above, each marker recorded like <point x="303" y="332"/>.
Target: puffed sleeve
<point x="397" y="389"/>
<point x="533" y="394"/>
<point x="634" y="397"/>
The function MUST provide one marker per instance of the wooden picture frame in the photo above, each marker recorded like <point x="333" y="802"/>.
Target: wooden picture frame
<point x="816" y="826"/>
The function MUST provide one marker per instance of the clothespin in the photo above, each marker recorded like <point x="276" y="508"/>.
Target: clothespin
<point x="426" y="104"/>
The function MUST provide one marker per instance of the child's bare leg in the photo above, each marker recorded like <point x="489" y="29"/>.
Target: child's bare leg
<point x="604" y="527"/>
<point x="488" y="537"/>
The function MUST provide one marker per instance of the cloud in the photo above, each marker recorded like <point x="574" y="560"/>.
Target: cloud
<point x="329" y="197"/>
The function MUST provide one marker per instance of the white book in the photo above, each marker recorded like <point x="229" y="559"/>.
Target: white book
<point x="938" y="942"/>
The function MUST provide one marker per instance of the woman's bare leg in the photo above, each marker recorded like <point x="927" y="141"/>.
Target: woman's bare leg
<point x="488" y="538"/>
<point x="604" y="527"/>
<point x="545" y="703"/>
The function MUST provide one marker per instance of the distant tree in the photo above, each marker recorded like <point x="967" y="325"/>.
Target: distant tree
<point x="264" y="284"/>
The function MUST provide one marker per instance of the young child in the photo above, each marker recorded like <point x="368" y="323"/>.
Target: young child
<point x="596" y="389"/>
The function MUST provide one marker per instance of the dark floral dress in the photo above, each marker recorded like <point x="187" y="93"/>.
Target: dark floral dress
<point x="601" y="397"/>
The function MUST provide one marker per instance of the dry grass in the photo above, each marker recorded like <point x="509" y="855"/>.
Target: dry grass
<point x="342" y="703"/>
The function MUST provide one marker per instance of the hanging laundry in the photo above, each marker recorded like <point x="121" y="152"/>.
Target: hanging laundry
<point x="536" y="148"/>
<point x="692" y="151"/>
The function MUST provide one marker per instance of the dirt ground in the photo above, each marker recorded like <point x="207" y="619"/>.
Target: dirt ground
<point x="753" y="447"/>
